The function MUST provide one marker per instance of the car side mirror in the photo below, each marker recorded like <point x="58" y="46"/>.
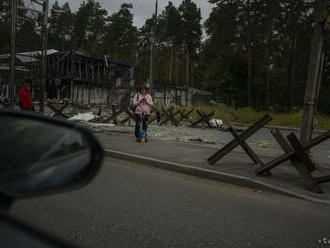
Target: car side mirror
<point x="41" y="156"/>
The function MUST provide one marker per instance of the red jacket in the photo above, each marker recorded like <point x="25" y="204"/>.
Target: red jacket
<point x="24" y="97"/>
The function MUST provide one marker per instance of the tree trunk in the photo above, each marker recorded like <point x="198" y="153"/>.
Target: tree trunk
<point x="267" y="62"/>
<point x="291" y="72"/>
<point x="159" y="70"/>
<point x="192" y="74"/>
<point x="249" y="84"/>
<point x="187" y="68"/>
<point x="171" y="66"/>
<point x="268" y="88"/>
<point x="62" y="42"/>
<point x="183" y="67"/>
<point x="177" y="66"/>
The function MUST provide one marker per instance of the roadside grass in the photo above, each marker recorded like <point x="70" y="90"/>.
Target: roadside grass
<point x="249" y="116"/>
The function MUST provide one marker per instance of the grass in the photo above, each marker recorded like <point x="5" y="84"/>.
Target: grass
<point x="249" y="116"/>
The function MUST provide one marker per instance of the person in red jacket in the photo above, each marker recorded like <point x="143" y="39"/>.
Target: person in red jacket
<point x="25" y="99"/>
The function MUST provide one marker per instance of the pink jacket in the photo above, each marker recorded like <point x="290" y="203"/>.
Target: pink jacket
<point x="142" y="108"/>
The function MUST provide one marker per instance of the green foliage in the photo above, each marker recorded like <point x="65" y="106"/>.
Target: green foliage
<point x="5" y="25"/>
<point x="250" y="116"/>
<point x="191" y="31"/>
<point x="173" y="25"/>
<point x="225" y="76"/>
<point x="61" y="26"/>
<point x="89" y="26"/>
<point x="121" y="36"/>
<point x="178" y="40"/>
<point x="279" y="33"/>
<point x="28" y="36"/>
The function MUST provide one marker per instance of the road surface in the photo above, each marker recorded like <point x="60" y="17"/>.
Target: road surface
<point x="131" y="205"/>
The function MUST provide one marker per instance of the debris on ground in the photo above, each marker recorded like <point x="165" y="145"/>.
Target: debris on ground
<point x="199" y="139"/>
<point x="262" y="144"/>
<point x="207" y="141"/>
<point x="101" y="125"/>
<point x="196" y="139"/>
<point x="83" y="117"/>
<point x="216" y="123"/>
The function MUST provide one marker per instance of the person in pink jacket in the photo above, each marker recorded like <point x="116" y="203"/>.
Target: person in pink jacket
<point x="142" y="102"/>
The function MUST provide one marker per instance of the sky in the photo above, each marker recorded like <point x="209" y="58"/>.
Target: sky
<point x="142" y="9"/>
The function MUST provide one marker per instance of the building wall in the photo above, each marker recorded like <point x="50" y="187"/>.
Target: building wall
<point x="84" y="95"/>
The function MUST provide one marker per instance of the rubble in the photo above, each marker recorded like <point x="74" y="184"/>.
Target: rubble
<point x="201" y="140"/>
<point x="83" y="117"/>
<point x="102" y="125"/>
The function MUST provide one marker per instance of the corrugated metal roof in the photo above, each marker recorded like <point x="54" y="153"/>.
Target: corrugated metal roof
<point x="26" y="57"/>
<point x="6" y="67"/>
<point x="102" y="57"/>
<point x="33" y="56"/>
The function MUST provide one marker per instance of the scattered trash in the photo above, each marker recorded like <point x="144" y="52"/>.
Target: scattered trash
<point x="216" y="123"/>
<point x="196" y="139"/>
<point x="82" y="117"/>
<point x="100" y="125"/>
<point x="206" y="141"/>
<point x="262" y="144"/>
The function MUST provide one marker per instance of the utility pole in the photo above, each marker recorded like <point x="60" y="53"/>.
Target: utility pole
<point x="321" y="14"/>
<point x="44" y="56"/>
<point x="13" y="54"/>
<point x="152" y="54"/>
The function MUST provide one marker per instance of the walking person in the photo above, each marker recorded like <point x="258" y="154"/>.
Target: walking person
<point x="142" y="102"/>
<point x="25" y="98"/>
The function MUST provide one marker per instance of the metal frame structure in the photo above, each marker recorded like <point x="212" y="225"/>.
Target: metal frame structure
<point x="34" y="9"/>
<point x="85" y="78"/>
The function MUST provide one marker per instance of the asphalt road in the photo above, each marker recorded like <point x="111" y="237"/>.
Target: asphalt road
<point x="130" y="205"/>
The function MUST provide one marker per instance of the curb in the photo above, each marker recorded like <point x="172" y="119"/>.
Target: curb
<point x="209" y="174"/>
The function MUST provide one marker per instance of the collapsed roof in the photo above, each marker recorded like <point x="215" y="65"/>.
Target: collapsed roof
<point x="34" y="56"/>
<point x="28" y="57"/>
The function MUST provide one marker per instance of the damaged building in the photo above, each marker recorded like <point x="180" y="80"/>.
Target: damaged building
<point x="88" y="79"/>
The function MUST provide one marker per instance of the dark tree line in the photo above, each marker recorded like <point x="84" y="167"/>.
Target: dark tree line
<point x="178" y="40"/>
<point x="255" y="53"/>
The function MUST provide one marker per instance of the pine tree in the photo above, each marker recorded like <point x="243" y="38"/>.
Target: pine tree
<point x="172" y="35"/>
<point x="61" y="26"/>
<point x="89" y="26"/>
<point x="191" y="31"/>
<point x="5" y="23"/>
<point x="121" y="37"/>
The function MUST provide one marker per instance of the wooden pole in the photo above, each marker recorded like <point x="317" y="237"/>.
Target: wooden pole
<point x="44" y="56"/>
<point x="313" y="71"/>
<point x="13" y="53"/>
<point x="318" y="92"/>
<point x="152" y="53"/>
<point x="187" y="68"/>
